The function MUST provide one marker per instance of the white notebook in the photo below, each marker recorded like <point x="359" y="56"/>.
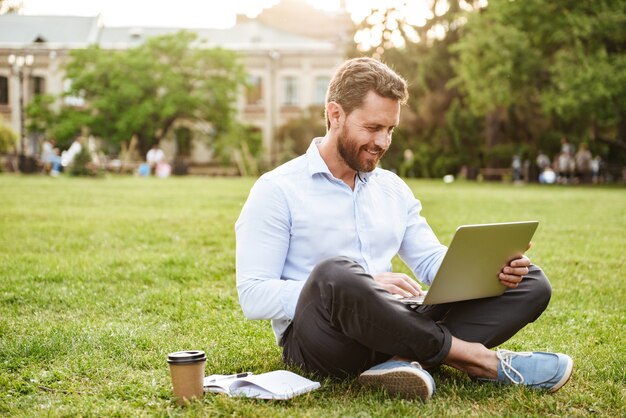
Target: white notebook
<point x="279" y="384"/>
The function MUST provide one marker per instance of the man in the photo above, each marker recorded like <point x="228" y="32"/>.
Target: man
<point x="315" y="241"/>
<point x="68" y="157"/>
<point x="50" y="157"/>
<point x="583" y="163"/>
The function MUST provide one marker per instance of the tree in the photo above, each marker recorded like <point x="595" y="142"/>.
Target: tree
<point x="294" y="137"/>
<point x="63" y="125"/>
<point x="10" y="6"/>
<point x="560" y="63"/>
<point x="39" y="113"/>
<point x="436" y="124"/>
<point x="145" y="90"/>
<point x="511" y="77"/>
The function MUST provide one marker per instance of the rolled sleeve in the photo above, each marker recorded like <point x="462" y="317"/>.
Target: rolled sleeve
<point x="420" y="248"/>
<point x="290" y="292"/>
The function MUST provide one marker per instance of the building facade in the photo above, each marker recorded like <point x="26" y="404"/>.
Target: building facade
<point x="287" y="72"/>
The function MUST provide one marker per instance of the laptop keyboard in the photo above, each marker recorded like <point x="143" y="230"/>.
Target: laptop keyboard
<point x="418" y="300"/>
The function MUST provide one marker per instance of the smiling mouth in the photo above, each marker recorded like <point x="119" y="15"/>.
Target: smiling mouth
<point x="373" y="152"/>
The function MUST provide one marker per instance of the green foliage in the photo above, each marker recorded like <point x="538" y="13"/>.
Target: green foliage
<point x="497" y="66"/>
<point x="436" y="123"/>
<point x="63" y="125"/>
<point x="242" y="145"/>
<point x="8" y="137"/>
<point x="514" y="75"/>
<point x="566" y="59"/>
<point x="39" y="113"/>
<point x="68" y="124"/>
<point x="145" y="90"/>
<point x="295" y="136"/>
<point x="82" y="164"/>
<point x="98" y="284"/>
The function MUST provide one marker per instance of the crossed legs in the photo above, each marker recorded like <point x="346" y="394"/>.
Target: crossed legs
<point x="345" y="323"/>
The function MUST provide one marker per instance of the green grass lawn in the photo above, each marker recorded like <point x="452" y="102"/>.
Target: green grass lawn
<point x="100" y="279"/>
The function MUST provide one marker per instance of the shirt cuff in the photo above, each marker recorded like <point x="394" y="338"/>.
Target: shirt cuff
<point x="289" y="295"/>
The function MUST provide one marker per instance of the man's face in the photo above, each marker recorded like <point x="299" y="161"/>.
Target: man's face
<point x="366" y="133"/>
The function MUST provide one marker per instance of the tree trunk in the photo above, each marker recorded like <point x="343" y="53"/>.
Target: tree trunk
<point x="494" y="134"/>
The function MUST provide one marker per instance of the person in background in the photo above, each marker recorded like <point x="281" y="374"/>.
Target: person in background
<point x="596" y="170"/>
<point x="567" y="146"/>
<point x="516" y="167"/>
<point x="583" y="163"/>
<point x="314" y="247"/>
<point x="50" y="157"/>
<point x="154" y="157"/>
<point x="544" y="164"/>
<point x="542" y="161"/>
<point x="67" y="157"/>
<point x="564" y="162"/>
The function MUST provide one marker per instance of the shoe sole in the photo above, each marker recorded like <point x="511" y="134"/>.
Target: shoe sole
<point x="406" y="383"/>
<point x="566" y="376"/>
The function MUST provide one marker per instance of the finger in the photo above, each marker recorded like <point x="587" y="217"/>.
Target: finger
<point x="510" y="278"/>
<point x="396" y="290"/>
<point x="404" y="282"/>
<point x="414" y="287"/>
<point x="404" y="288"/>
<point x="389" y="281"/>
<point x="520" y="262"/>
<point x="515" y="271"/>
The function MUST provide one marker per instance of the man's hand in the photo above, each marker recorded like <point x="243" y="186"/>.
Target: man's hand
<point x="398" y="284"/>
<point x="511" y="274"/>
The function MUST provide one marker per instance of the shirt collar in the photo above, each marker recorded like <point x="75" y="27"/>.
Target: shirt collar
<point x="315" y="160"/>
<point x="318" y="165"/>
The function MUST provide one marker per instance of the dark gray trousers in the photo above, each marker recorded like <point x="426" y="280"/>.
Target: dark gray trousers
<point x="346" y="323"/>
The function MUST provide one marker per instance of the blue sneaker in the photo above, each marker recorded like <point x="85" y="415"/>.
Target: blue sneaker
<point x="538" y="370"/>
<point x="403" y="378"/>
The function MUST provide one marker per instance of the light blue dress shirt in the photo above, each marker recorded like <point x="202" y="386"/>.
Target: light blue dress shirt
<point x="299" y="214"/>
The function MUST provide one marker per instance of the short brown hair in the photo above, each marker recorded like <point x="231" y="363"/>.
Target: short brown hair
<point x="357" y="77"/>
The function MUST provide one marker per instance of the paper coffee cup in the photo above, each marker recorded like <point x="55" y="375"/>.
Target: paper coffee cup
<point x="187" y="371"/>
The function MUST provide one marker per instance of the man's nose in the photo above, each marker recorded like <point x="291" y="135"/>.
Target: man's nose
<point x="383" y="139"/>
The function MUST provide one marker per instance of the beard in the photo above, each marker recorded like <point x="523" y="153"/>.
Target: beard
<point x="350" y="152"/>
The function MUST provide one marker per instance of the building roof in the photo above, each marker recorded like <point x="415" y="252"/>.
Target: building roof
<point x="77" y="31"/>
<point x="57" y="31"/>
<point x="248" y="36"/>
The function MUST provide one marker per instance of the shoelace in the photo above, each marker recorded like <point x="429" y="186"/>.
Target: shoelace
<point x="506" y="358"/>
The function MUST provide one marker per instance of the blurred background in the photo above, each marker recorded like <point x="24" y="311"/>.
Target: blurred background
<point x="507" y="90"/>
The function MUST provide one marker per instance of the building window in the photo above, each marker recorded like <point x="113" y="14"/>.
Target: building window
<point x="4" y="90"/>
<point x="254" y="91"/>
<point x="319" y="89"/>
<point x="38" y="85"/>
<point x="290" y="91"/>
<point x="184" y="138"/>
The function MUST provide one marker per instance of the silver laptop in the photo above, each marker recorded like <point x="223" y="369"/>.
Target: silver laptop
<point x="473" y="261"/>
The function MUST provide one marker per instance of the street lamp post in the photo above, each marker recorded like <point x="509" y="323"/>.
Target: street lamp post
<point x="274" y="57"/>
<point x="19" y="64"/>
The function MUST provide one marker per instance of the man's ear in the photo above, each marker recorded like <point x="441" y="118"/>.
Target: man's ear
<point x="335" y="113"/>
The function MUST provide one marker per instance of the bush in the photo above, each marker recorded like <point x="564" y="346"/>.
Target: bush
<point x="82" y="165"/>
<point x="295" y="136"/>
<point x="8" y="138"/>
